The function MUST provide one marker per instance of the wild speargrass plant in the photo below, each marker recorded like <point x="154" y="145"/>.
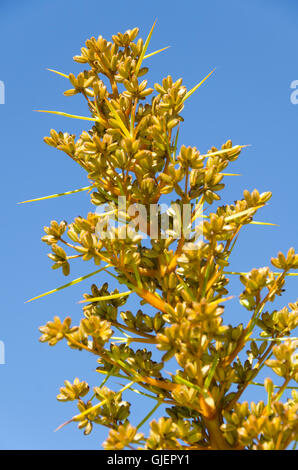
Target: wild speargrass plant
<point x="131" y="152"/>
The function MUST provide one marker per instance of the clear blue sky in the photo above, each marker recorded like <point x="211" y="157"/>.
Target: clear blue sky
<point x="252" y="44"/>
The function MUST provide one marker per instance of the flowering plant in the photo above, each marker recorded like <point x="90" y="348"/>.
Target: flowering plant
<point x="181" y="277"/>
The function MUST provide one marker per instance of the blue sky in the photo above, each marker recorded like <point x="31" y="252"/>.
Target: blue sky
<point x="252" y="44"/>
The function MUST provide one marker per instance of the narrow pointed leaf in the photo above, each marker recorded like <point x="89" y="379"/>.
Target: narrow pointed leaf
<point x="176" y="141"/>
<point x="239" y="214"/>
<point x="190" y="92"/>
<point x="274" y="339"/>
<point x="181" y="380"/>
<point x="58" y="73"/>
<point x="93" y="408"/>
<point x="155" y="52"/>
<point x="106" y="297"/>
<point x="222" y="152"/>
<point x="109" y="374"/>
<point x="186" y="288"/>
<point x="118" y="119"/>
<point x="211" y="373"/>
<point x="137" y="274"/>
<point x="139" y="63"/>
<point x="104" y="214"/>
<point x="149" y="415"/>
<point x="238" y="273"/>
<point x="73" y="116"/>
<point x="75" y="281"/>
<point x="142" y="393"/>
<point x="219" y="301"/>
<point x="254" y="222"/>
<point x="57" y="195"/>
<point x="275" y="386"/>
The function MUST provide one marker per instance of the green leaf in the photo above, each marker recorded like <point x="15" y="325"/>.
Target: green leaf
<point x="238" y="273"/>
<point x="186" y="288"/>
<point x="176" y="143"/>
<point x="57" y="195"/>
<point x="95" y="407"/>
<point x="106" y="297"/>
<point x="222" y="152"/>
<point x="181" y="380"/>
<point x="239" y="214"/>
<point x="72" y="283"/>
<point x="211" y="372"/>
<point x="137" y="274"/>
<point x="109" y="374"/>
<point x="73" y="116"/>
<point x="142" y="393"/>
<point x="118" y="119"/>
<point x="274" y="339"/>
<point x="149" y="415"/>
<point x="253" y="222"/>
